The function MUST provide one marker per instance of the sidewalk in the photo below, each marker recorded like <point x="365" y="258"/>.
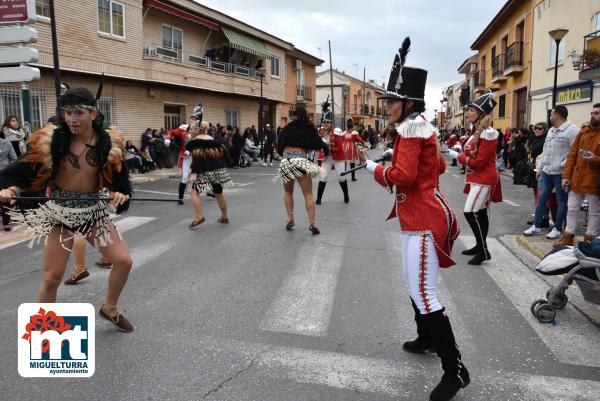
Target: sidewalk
<point x="156" y="175"/>
<point x="537" y="247"/>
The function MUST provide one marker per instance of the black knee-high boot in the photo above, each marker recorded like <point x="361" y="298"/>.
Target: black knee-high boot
<point x="344" y="185"/>
<point x="320" y="191"/>
<point x="181" y="192"/>
<point x="456" y="375"/>
<point x="423" y="343"/>
<point x="479" y="249"/>
<point x="484" y="223"/>
<point x="352" y="165"/>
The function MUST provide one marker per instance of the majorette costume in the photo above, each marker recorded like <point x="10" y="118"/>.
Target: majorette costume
<point x="348" y="145"/>
<point x="427" y="223"/>
<point x="334" y="160"/>
<point x="482" y="179"/>
<point x="294" y="165"/>
<point x="180" y="136"/>
<point x="49" y="147"/>
<point x="209" y="163"/>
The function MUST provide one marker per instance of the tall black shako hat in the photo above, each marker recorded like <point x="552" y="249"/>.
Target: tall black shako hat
<point x="406" y="83"/>
<point x="485" y="103"/>
<point x="198" y="112"/>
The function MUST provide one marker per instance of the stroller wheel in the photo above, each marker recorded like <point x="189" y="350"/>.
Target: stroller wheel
<point x="545" y="313"/>
<point x="535" y="304"/>
<point x="559" y="301"/>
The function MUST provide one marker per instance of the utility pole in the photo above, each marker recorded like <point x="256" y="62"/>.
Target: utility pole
<point x="331" y="85"/>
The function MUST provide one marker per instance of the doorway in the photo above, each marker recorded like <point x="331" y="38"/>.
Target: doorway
<point x="173" y="115"/>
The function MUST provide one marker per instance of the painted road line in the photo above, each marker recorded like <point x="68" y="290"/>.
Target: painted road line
<point x="390" y="377"/>
<point x="304" y="303"/>
<point x="244" y="184"/>
<point x="156" y="192"/>
<point x="573" y="338"/>
<point x="455" y="176"/>
<point x="131" y="222"/>
<point x="511" y="202"/>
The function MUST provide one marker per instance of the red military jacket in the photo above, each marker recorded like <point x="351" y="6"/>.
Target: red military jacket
<point x="350" y="137"/>
<point x="329" y="141"/>
<point x="481" y="169"/>
<point x="180" y="133"/>
<point x="415" y="168"/>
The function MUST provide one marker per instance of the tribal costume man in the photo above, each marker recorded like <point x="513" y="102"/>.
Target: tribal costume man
<point x="76" y="161"/>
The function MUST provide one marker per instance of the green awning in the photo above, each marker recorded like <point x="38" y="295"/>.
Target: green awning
<point x="245" y="43"/>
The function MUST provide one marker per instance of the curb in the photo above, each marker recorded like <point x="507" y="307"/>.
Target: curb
<point x="533" y="249"/>
<point x="151" y="178"/>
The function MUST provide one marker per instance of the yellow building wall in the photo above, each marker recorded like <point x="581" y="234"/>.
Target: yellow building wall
<point x="513" y="83"/>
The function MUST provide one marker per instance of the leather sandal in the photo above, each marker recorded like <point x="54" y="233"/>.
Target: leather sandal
<point x="290" y="224"/>
<point x="77" y="277"/>
<point x="196" y="223"/>
<point x="223" y="220"/>
<point x="119" y="320"/>
<point x="103" y="265"/>
<point x="314" y="229"/>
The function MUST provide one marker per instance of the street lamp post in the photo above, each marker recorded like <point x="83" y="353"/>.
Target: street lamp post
<point x="556" y="35"/>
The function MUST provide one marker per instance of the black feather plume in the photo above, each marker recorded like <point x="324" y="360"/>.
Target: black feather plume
<point x="404" y="50"/>
<point x="100" y="87"/>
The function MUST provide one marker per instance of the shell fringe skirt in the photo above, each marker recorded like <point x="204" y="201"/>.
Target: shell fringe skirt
<point x="205" y="181"/>
<point x="74" y="215"/>
<point x="295" y="165"/>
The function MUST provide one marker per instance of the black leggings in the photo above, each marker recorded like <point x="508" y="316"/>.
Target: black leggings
<point x="268" y="151"/>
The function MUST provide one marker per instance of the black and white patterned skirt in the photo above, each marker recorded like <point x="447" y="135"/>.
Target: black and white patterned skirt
<point x="294" y="165"/>
<point x="205" y="181"/>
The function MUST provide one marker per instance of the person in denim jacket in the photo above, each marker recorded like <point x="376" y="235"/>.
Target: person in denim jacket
<point x="553" y="159"/>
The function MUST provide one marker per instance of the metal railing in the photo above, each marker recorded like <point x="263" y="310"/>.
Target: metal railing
<point x="152" y="50"/>
<point x="304" y="93"/>
<point x="591" y="56"/>
<point x="479" y="79"/>
<point x="514" y="55"/>
<point x="498" y="66"/>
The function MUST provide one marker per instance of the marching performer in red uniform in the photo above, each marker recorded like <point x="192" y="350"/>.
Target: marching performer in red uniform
<point x="482" y="178"/>
<point x="336" y="158"/>
<point x="180" y="137"/>
<point x="429" y="226"/>
<point x="349" y="145"/>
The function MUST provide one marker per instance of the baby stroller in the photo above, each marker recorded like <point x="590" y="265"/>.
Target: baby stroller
<point x="580" y="264"/>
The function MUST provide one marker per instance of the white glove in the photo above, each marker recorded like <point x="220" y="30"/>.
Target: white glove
<point x="452" y="154"/>
<point x="167" y="142"/>
<point x="371" y="166"/>
<point x="389" y="151"/>
<point x="186" y="153"/>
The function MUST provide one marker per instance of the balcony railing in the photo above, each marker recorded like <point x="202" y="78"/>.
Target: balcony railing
<point x="304" y="93"/>
<point x="379" y="111"/>
<point x="152" y="50"/>
<point x="591" y="53"/>
<point x="514" y="55"/>
<point x="372" y="110"/>
<point x="479" y="80"/>
<point x="498" y="67"/>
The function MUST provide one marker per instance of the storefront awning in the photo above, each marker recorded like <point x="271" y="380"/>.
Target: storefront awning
<point x="245" y="43"/>
<point x="181" y="14"/>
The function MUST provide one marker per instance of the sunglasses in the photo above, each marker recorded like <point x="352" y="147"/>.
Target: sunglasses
<point x="539" y="128"/>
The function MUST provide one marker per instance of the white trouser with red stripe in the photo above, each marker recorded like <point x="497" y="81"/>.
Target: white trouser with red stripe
<point x="420" y="266"/>
<point x="338" y="165"/>
<point x="478" y="198"/>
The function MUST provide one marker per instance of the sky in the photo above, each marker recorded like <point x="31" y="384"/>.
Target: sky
<point x="367" y="34"/>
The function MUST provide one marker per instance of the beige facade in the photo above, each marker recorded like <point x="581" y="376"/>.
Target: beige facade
<point x="576" y="79"/>
<point x="160" y="58"/>
<point x="453" y="114"/>
<point x="349" y="96"/>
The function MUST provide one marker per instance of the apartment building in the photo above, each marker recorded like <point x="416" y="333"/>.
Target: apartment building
<point x="353" y="99"/>
<point x="160" y="58"/>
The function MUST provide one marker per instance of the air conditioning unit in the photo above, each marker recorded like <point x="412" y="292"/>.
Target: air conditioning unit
<point x="298" y="65"/>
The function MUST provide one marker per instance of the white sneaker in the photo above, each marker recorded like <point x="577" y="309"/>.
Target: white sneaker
<point x="533" y="230"/>
<point x="264" y="164"/>
<point x="554" y="234"/>
<point x="270" y="164"/>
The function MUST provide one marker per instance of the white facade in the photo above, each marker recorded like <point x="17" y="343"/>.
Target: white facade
<point x="580" y="18"/>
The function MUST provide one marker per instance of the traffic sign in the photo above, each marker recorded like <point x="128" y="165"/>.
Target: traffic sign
<point x="14" y="55"/>
<point x="18" y="34"/>
<point x="19" y="74"/>
<point x="17" y="12"/>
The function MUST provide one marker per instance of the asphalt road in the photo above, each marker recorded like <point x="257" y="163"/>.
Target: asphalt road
<point x="250" y="311"/>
